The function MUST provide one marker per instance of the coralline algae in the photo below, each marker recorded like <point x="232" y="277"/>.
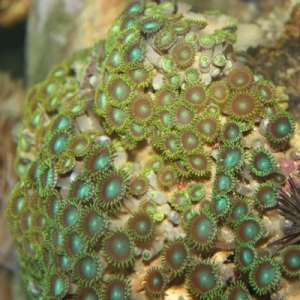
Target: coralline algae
<point x="150" y="168"/>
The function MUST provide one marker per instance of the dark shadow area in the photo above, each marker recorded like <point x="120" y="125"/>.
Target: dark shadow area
<point x="12" y="44"/>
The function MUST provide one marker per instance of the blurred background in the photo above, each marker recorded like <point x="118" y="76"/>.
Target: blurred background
<point x="36" y="34"/>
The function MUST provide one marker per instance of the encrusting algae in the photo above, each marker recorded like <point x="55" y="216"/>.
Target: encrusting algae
<point x="150" y="166"/>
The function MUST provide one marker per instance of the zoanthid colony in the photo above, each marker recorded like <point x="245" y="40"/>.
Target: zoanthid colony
<point x="149" y="168"/>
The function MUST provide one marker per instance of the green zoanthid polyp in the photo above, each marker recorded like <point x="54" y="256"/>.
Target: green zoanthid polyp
<point x="149" y="165"/>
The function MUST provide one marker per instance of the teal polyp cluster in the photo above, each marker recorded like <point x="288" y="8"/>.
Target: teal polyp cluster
<point x="201" y="231"/>
<point x="149" y="166"/>
<point x="262" y="162"/>
<point x="203" y="281"/>
<point x="280" y="128"/>
<point x="266" y="195"/>
<point x="118" y="248"/>
<point x="220" y="205"/>
<point x="264" y="275"/>
<point x="244" y="257"/>
<point x="116" y="288"/>
<point x="231" y="157"/>
<point x="237" y="291"/>
<point x="291" y="261"/>
<point x="175" y="257"/>
<point x="155" y="282"/>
